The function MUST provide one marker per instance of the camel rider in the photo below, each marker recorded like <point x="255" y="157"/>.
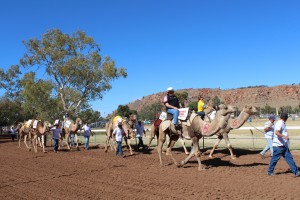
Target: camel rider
<point x="66" y="117"/>
<point x="172" y="104"/>
<point x="201" y="107"/>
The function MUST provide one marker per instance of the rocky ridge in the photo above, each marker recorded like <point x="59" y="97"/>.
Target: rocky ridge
<point x="276" y="96"/>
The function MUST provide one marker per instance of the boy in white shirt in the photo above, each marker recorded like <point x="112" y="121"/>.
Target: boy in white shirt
<point x="118" y="135"/>
<point x="281" y="147"/>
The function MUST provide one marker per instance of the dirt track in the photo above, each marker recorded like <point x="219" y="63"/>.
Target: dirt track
<point x="94" y="174"/>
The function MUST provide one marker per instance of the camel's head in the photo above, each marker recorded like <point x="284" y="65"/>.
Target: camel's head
<point x="20" y="124"/>
<point x="249" y="109"/>
<point x="78" y="122"/>
<point x="127" y="128"/>
<point x="224" y="110"/>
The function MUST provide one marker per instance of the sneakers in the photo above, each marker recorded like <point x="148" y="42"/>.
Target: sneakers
<point x="271" y="174"/>
<point x="297" y="174"/>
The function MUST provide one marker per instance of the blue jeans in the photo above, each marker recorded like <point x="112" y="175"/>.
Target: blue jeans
<point x="119" y="148"/>
<point x="141" y="143"/>
<point x="175" y="115"/>
<point x="72" y="139"/>
<point x="268" y="146"/>
<point x="86" y="145"/>
<point x="201" y="114"/>
<point x="55" y="144"/>
<point x="286" y="154"/>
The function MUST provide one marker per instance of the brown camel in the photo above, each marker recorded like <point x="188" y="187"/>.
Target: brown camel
<point x="233" y="123"/>
<point x="154" y="131"/>
<point x="71" y="127"/>
<point x="25" y="130"/>
<point x="128" y="129"/>
<point x="195" y="128"/>
<point x="41" y="130"/>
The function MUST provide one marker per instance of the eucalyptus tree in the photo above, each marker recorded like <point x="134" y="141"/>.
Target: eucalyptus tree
<point x="78" y="72"/>
<point x="9" y="81"/>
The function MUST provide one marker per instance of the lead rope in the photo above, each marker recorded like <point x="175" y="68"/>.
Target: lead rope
<point x="254" y="127"/>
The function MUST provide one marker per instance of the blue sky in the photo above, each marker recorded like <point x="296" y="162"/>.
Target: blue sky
<point x="184" y="44"/>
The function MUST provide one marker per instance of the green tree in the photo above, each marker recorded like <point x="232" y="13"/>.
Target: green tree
<point x="193" y="106"/>
<point x="216" y="101"/>
<point x="74" y="64"/>
<point x="10" y="112"/>
<point x="268" y="109"/>
<point x="182" y="97"/>
<point x="9" y="81"/>
<point x="36" y="98"/>
<point x="150" y="111"/>
<point x="123" y="111"/>
<point x="286" y="109"/>
<point x="89" y="115"/>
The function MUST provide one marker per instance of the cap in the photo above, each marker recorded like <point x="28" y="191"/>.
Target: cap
<point x="284" y="116"/>
<point x="170" y="89"/>
<point x="272" y="117"/>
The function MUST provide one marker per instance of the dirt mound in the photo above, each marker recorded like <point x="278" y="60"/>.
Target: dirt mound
<point x="94" y="174"/>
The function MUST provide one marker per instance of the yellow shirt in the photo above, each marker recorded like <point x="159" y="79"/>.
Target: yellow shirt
<point x="201" y="105"/>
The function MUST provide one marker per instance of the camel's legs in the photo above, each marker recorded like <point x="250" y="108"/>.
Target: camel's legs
<point x="215" y="147"/>
<point x="129" y="146"/>
<point x="39" y="141"/>
<point x="195" y="151"/>
<point x="161" y="141"/>
<point x="43" y="143"/>
<point x="76" y="140"/>
<point x="169" y="150"/>
<point x="225" y="135"/>
<point x="183" y="145"/>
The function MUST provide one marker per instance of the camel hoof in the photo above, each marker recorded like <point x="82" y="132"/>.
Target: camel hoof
<point x="233" y="157"/>
<point x="201" y="169"/>
<point x="187" y="153"/>
<point x="211" y="157"/>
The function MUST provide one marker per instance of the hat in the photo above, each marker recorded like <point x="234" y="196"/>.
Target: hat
<point x="272" y="117"/>
<point x="170" y="89"/>
<point x="284" y="116"/>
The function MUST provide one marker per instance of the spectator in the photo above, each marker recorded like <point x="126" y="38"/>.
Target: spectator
<point x="269" y="131"/>
<point x="140" y="131"/>
<point x="13" y="133"/>
<point x="56" y="131"/>
<point x="87" y="132"/>
<point x="281" y="147"/>
<point x="172" y="104"/>
<point x="118" y="135"/>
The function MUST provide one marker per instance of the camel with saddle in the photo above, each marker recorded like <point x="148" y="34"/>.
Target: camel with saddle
<point x="128" y="129"/>
<point x="195" y="128"/>
<point x="154" y="131"/>
<point x="70" y="127"/>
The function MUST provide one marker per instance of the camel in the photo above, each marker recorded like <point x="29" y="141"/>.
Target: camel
<point x="71" y="127"/>
<point x="41" y="130"/>
<point x="194" y="128"/>
<point x="128" y="129"/>
<point x="25" y="129"/>
<point x="154" y="131"/>
<point x="233" y="123"/>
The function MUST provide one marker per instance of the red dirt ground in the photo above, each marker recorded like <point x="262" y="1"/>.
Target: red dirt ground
<point x="94" y="174"/>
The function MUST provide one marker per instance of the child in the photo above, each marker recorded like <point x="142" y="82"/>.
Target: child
<point x="118" y="135"/>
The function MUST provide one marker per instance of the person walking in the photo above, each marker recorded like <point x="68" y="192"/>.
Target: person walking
<point x="269" y="131"/>
<point x="140" y="131"/>
<point x="86" y="133"/>
<point x="56" y="131"/>
<point x="118" y="136"/>
<point x="12" y="133"/>
<point x="281" y="147"/>
<point x="172" y="105"/>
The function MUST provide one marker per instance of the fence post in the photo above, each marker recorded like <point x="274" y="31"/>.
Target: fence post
<point x="203" y="142"/>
